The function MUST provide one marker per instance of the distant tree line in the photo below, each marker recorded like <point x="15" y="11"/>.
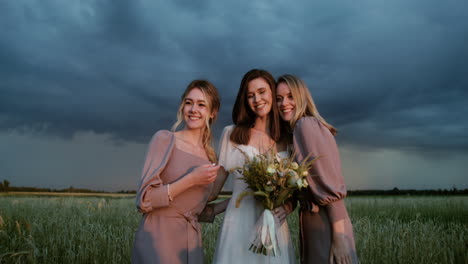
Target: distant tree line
<point x="5" y="187"/>
<point x="396" y="191"/>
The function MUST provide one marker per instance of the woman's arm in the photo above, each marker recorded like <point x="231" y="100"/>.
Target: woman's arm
<point x="218" y="184"/>
<point x="326" y="182"/>
<point x="312" y="139"/>
<point x="212" y="210"/>
<point x="340" y="252"/>
<point x="152" y="193"/>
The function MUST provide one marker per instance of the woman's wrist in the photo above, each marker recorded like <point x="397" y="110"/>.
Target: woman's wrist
<point x="169" y="196"/>
<point x="189" y="182"/>
<point x="338" y="228"/>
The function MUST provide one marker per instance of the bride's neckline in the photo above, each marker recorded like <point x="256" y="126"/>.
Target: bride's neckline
<point x="260" y="130"/>
<point x="258" y="151"/>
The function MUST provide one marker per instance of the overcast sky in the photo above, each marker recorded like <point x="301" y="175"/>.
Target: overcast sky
<point x="85" y="84"/>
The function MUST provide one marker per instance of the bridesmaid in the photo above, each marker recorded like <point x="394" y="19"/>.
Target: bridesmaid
<point x="325" y="228"/>
<point x="176" y="181"/>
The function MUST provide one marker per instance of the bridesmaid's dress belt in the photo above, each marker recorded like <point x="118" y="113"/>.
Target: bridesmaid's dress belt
<point x="192" y="219"/>
<point x="173" y="212"/>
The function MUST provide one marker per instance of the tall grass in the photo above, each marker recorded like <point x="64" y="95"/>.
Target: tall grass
<point x="410" y="229"/>
<point x="101" y="230"/>
<point x="66" y="230"/>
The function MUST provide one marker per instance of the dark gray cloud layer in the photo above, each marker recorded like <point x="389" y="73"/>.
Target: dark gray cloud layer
<point x="387" y="74"/>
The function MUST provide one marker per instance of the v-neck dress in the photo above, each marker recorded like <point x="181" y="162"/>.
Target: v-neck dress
<point x="169" y="231"/>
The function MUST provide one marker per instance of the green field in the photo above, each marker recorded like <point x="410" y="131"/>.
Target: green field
<point x="100" y="230"/>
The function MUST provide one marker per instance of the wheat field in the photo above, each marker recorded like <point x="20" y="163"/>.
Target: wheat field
<point x="402" y="229"/>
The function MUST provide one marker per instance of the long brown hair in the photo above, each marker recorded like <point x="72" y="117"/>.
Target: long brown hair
<point x="244" y="118"/>
<point x="305" y="105"/>
<point x="213" y="103"/>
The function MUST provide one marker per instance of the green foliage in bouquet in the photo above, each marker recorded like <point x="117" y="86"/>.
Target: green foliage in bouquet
<point x="271" y="179"/>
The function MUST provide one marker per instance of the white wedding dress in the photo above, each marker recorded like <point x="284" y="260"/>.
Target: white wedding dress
<point x="234" y="237"/>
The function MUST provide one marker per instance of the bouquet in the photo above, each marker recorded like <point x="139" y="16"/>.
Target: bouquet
<point x="271" y="180"/>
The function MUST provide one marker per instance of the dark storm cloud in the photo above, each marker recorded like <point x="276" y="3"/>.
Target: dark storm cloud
<point x="387" y="74"/>
<point x="75" y="70"/>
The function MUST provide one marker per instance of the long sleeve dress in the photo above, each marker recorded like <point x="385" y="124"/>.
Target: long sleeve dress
<point x="234" y="238"/>
<point x="326" y="189"/>
<point x="169" y="231"/>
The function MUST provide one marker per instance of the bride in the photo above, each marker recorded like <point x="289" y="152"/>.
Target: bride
<point x="256" y="130"/>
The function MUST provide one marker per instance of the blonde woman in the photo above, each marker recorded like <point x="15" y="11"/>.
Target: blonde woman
<point x="325" y="228"/>
<point x="176" y="181"/>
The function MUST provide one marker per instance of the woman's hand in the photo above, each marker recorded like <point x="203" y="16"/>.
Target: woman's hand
<point x="281" y="212"/>
<point x="203" y="174"/>
<point x="340" y="252"/>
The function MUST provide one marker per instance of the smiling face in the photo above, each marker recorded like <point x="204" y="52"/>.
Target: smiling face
<point x="259" y="97"/>
<point x="196" y="109"/>
<point x="285" y="102"/>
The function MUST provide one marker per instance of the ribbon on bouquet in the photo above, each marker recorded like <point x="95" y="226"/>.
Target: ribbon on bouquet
<point x="268" y="228"/>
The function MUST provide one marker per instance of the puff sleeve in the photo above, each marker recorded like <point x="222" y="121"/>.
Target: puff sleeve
<point x="225" y="160"/>
<point x="152" y="193"/>
<point x="325" y="179"/>
<point x="224" y="151"/>
<point x="226" y="148"/>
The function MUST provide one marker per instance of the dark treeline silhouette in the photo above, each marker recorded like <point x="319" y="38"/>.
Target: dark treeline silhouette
<point x="5" y="187"/>
<point x="70" y="189"/>
<point x="396" y="191"/>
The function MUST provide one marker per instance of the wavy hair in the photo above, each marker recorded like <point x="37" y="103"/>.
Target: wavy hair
<point x="244" y="118"/>
<point x="213" y="104"/>
<point x="305" y="105"/>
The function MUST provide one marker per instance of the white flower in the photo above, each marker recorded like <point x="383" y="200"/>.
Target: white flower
<point x="294" y="166"/>
<point x="292" y="182"/>
<point x="271" y="169"/>
<point x="302" y="183"/>
<point x="293" y="174"/>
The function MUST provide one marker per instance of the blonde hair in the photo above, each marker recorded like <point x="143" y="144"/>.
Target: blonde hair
<point x="213" y="103"/>
<point x="305" y="105"/>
